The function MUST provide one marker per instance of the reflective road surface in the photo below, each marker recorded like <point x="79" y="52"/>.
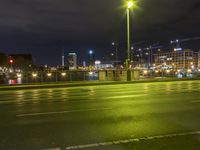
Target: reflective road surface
<point x="144" y="116"/>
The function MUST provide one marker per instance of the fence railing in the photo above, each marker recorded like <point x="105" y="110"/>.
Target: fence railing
<point x="103" y="75"/>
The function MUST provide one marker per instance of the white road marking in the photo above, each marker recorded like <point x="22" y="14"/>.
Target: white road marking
<point x="196" y="101"/>
<point x="62" y="112"/>
<point x="14" y="101"/>
<point x="130" y="140"/>
<point x="125" y="96"/>
<point x="32" y="100"/>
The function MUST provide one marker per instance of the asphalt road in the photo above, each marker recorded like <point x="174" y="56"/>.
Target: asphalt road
<point x="144" y="116"/>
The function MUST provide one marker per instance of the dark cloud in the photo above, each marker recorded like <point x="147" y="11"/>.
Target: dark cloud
<point x="41" y="26"/>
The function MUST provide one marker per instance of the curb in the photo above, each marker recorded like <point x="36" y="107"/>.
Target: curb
<point x="74" y="84"/>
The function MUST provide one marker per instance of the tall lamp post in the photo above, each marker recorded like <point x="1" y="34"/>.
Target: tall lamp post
<point x="128" y="60"/>
<point x="11" y="64"/>
<point x="116" y="53"/>
<point x="91" y="59"/>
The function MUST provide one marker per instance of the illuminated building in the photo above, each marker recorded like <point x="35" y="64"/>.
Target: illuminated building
<point x="183" y="59"/>
<point x="103" y="65"/>
<point x="72" y="61"/>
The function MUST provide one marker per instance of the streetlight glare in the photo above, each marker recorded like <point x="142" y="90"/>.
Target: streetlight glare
<point x="130" y="4"/>
<point x="91" y="52"/>
<point x="34" y="75"/>
<point x="63" y="74"/>
<point x="49" y="74"/>
<point x="19" y="75"/>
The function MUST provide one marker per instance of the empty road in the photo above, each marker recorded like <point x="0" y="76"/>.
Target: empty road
<point x="160" y="115"/>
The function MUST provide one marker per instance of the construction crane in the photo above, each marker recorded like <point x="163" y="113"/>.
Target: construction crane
<point x="151" y="52"/>
<point x="179" y="41"/>
<point x="148" y="51"/>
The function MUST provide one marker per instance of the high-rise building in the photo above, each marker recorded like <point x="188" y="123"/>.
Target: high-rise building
<point x="72" y="61"/>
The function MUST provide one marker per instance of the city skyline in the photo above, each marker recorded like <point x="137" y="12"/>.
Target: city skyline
<point x="45" y="28"/>
<point x="100" y="75"/>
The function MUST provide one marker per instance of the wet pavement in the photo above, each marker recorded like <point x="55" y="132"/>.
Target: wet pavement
<point x="119" y="117"/>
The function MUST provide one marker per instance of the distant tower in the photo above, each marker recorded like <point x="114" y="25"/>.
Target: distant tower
<point x="63" y="59"/>
<point x="91" y="58"/>
<point x="84" y="63"/>
<point x="72" y="61"/>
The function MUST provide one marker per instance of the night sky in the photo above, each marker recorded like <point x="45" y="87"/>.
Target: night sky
<point x="45" y="27"/>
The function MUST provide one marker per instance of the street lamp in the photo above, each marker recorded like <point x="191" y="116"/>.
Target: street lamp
<point x="91" y="58"/>
<point x="34" y="75"/>
<point x="19" y="75"/>
<point x="63" y="74"/>
<point x="49" y="74"/>
<point x="11" y="61"/>
<point x="145" y="72"/>
<point x="189" y="70"/>
<point x="130" y="4"/>
<point x="90" y="52"/>
<point x="168" y="71"/>
<point x="116" y="53"/>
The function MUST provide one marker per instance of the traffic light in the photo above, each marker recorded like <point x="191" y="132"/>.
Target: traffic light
<point x="11" y="61"/>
